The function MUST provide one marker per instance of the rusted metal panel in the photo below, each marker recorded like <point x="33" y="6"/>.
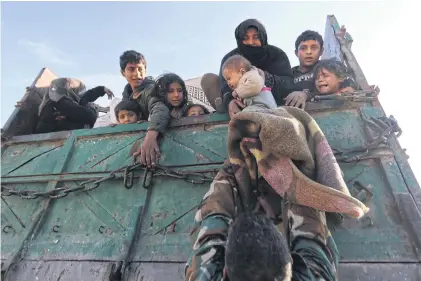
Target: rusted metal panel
<point x="339" y="47"/>
<point x="380" y="272"/>
<point x="331" y="46"/>
<point x="100" y="271"/>
<point x="60" y="271"/>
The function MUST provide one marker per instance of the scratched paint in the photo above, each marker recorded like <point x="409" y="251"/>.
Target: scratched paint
<point x="99" y="225"/>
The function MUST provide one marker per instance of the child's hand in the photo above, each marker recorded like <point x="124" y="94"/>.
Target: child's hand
<point x="296" y="99"/>
<point x="235" y="94"/>
<point x="347" y="90"/>
<point x="140" y="121"/>
<point x="113" y="125"/>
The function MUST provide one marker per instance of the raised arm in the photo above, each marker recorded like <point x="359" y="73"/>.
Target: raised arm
<point x="94" y="93"/>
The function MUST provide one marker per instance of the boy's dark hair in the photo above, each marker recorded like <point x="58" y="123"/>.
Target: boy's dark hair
<point x="127" y="105"/>
<point x="190" y="105"/>
<point x="309" y="35"/>
<point x="236" y="62"/>
<point x="256" y="250"/>
<point x="164" y="81"/>
<point x="131" y="56"/>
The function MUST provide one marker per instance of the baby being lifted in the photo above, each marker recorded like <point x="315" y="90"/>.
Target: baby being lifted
<point x="247" y="84"/>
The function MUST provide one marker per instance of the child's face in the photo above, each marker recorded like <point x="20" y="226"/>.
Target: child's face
<point x="127" y="117"/>
<point x="309" y="52"/>
<point x="175" y="94"/>
<point x="327" y="83"/>
<point x="195" y="111"/>
<point x="232" y="76"/>
<point x="134" y="73"/>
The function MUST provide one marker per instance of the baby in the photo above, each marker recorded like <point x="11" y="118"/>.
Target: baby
<point x="127" y="112"/>
<point x="247" y="84"/>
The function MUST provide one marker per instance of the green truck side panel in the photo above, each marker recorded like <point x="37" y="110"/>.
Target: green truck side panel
<point x="100" y="225"/>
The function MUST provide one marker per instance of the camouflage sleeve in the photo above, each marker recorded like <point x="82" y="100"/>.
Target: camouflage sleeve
<point x="206" y="261"/>
<point x="159" y="115"/>
<point x="313" y="249"/>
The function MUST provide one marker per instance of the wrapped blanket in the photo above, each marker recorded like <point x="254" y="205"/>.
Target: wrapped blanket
<point x="288" y="149"/>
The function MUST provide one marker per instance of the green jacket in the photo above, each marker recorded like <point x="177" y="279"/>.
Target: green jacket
<point x="153" y="108"/>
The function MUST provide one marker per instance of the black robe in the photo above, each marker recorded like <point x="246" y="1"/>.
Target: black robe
<point x="272" y="60"/>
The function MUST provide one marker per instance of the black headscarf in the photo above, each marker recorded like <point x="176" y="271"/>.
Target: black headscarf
<point x="256" y="55"/>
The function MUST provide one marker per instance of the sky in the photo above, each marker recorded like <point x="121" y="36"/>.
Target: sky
<point x="85" y="39"/>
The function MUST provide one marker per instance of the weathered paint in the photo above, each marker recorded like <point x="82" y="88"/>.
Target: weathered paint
<point x="87" y="271"/>
<point x="99" y="225"/>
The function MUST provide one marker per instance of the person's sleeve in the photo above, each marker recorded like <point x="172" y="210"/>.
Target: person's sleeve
<point x="226" y="91"/>
<point x="92" y="95"/>
<point x="312" y="261"/>
<point x="205" y="262"/>
<point x="279" y="77"/>
<point x="159" y="115"/>
<point x="250" y="84"/>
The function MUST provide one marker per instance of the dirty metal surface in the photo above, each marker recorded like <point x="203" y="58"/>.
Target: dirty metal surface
<point x="16" y="218"/>
<point x="94" y="225"/>
<point x="99" y="225"/>
<point x="99" y="271"/>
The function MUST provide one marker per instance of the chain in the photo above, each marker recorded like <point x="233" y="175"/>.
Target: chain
<point x="385" y="127"/>
<point x="188" y="176"/>
<point x="127" y="175"/>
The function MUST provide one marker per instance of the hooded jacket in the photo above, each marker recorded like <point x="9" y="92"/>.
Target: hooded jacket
<point x="151" y="105"/>
<point x="272" y="60"/>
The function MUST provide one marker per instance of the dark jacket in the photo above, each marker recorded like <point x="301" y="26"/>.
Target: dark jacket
<point x="72" y="103"/>
<point x="272" y="60"/>
<point x="152" y="107"/>
<point x="303" y="80"/>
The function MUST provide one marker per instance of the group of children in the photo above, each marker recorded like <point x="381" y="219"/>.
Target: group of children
<point x="169" y="88"/>
<point x="145" y="97"/>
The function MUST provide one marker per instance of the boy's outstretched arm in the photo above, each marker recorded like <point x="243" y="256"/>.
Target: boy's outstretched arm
<point x="160" y="117"/>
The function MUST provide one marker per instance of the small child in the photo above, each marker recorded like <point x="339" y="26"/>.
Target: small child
<point x="247" y="83"/>
<point x="127" y="112"/>
<point x="195" y="110"/>
<point x="332" y="77"/>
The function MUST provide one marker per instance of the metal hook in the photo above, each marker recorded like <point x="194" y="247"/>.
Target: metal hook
<point x="147" y="178"/>
<point x="128" y="178"/>
<point x="6" y="228"/>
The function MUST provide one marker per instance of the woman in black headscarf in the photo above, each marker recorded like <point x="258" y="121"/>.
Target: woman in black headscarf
<point x="252" y="43"/>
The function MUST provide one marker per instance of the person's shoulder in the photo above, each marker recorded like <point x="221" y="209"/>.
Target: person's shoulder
<point x="295" y="69"/>
<point x="275" y="50"/>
